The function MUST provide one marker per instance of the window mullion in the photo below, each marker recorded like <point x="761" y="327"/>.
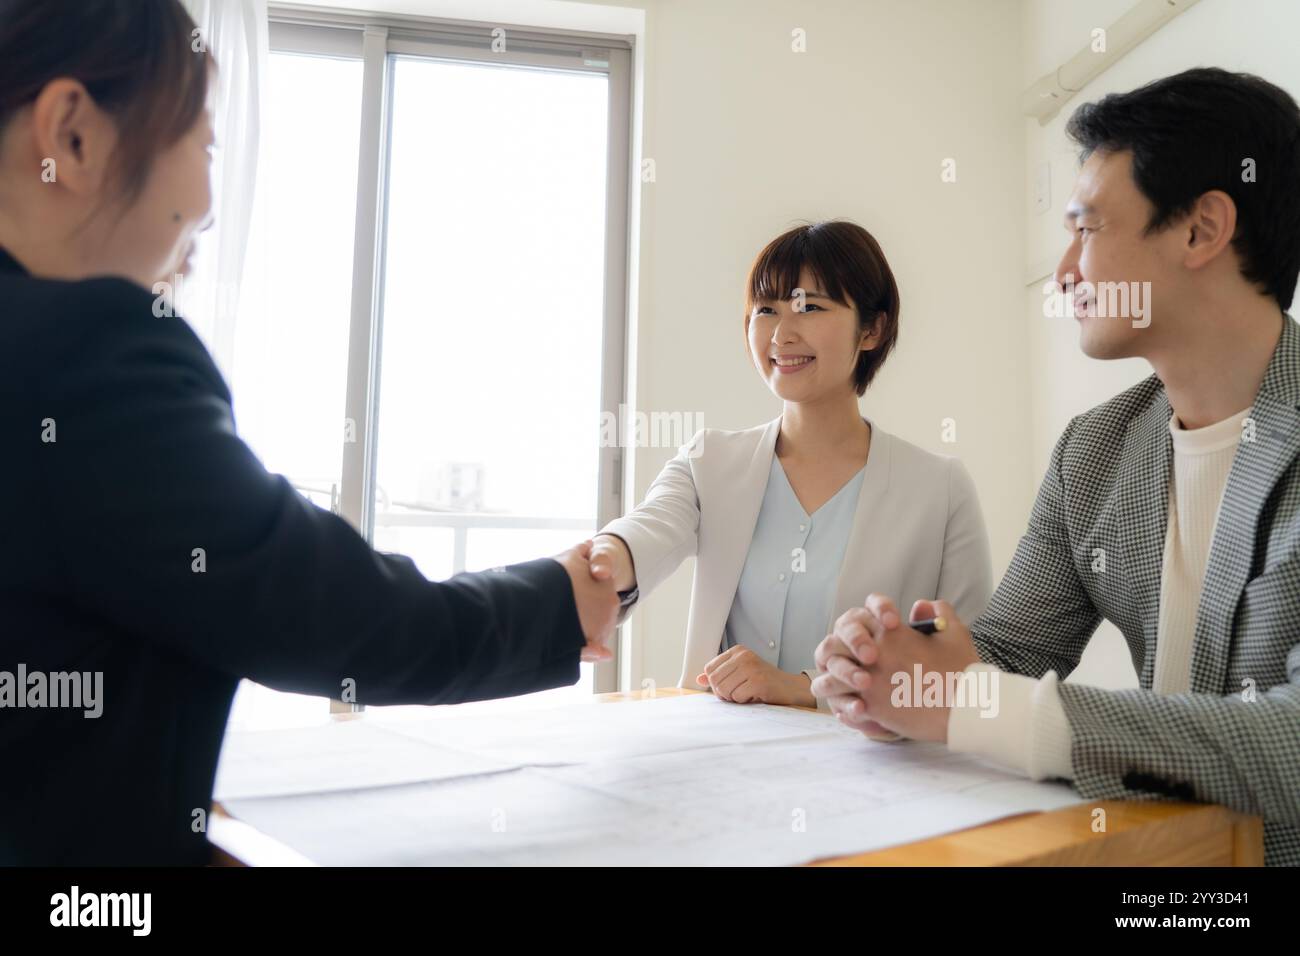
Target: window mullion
<point x="356" y="500"/>
<point x="614" y="461"/>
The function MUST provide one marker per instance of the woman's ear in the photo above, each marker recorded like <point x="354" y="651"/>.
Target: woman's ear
<point x="72" y="137"/>
<point x="871" y="334"/>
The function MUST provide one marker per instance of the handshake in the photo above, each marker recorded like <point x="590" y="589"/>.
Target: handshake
<point x="601" y="568"/>
<point x="598" y="570"/>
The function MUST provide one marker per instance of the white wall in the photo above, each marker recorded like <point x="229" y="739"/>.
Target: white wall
<point x="1257" y="36"/>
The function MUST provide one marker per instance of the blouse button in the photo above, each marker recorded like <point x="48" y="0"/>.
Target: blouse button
<point x="781" y="576"/>
<point x="801" y="527"/>
<point x="771" y="643"/>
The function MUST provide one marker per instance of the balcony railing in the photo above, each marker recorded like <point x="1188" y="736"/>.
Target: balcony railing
<point x="416" y="514"/>
<point x="462" y="523"/>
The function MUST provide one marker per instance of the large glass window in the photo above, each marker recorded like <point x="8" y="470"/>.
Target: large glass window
<point x="490" y="372"/>
<point x="445" y="351"/>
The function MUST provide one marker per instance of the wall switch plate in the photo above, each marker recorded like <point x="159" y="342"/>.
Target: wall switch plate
<point x="1043" y="187"/>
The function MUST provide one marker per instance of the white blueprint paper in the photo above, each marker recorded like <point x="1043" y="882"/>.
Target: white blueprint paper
<point x="587" y="732"/>
<point x="343" y="755"/>
<point x="689" y="780"/>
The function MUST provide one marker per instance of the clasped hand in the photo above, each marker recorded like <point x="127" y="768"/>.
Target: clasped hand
<point x="871" y="656"/>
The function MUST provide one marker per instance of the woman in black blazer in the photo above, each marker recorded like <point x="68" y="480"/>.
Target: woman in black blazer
<point x="148" y="554"/>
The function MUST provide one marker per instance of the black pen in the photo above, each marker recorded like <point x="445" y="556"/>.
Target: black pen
<point x="929" y="625"/>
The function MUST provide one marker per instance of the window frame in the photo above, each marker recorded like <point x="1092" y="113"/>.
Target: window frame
<point x="376" y="40"/>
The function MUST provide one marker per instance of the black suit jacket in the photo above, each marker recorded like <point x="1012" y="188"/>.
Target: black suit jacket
<point x="97" y="574"/>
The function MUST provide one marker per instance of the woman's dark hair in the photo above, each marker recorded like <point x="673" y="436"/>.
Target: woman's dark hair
<point x="136" y="58"/>
<point x="847" y="262"/>
<point x="1196" y="131"/>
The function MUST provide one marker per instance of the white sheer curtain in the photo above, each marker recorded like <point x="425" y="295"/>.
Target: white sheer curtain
<point x="236" y="32"/>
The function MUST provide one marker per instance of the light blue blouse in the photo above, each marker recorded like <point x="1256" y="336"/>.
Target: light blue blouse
<point x="786" y="593"/>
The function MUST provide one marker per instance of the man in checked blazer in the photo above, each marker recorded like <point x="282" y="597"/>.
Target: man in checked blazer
<point x="1172" y="510"/>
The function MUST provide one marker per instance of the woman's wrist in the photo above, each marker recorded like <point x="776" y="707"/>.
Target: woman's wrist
<point x="802" y="686"/>
<point x="624" y="571"/>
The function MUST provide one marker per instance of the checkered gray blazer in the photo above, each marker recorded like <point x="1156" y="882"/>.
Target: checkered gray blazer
<point x="1235" y="738"/>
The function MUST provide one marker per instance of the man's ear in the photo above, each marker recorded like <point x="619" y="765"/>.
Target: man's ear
<point x="73" y="138"/>
<point x="1210" y="225"/>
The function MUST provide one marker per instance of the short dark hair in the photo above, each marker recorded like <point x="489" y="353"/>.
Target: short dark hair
<point x="1192" y="133"/>
<point x="849" y="264"/>
<point x="136" y="60"/>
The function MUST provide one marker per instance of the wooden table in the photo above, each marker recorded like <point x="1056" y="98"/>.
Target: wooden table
<point x="1137" y="833"/>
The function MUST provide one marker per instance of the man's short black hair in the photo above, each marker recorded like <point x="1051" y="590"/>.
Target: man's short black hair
<point x="1196" y="131"/>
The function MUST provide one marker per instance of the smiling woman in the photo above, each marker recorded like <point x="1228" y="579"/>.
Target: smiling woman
<point x="795" y="521"/>
<point x="835" y="268"/>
